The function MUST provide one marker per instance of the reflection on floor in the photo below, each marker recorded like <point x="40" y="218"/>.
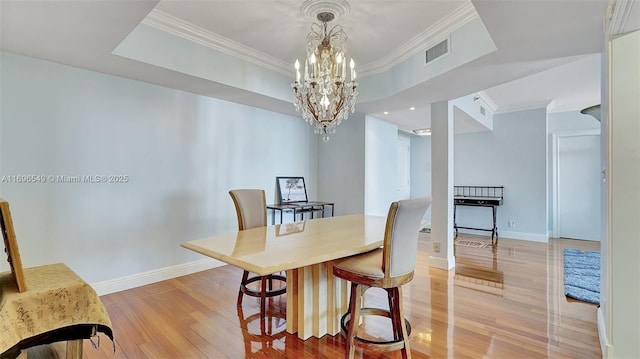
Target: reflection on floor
<point x="263" y="335"/>
<point x="476" y="273"/>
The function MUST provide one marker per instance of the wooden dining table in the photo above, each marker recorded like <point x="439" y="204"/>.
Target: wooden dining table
<point x="305" y="250"/>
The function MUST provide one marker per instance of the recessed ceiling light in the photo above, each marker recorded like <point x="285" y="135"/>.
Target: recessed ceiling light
<point x="412" y="108"/>
<point x="386" y="112"/>
<point x="423" y="132"/>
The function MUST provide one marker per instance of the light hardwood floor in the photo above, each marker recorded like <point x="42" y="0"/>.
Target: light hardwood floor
<point x="505" y="301"/>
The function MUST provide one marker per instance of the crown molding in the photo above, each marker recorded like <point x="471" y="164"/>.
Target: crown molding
<point x="424" y="40"/>
<point x="620" y="16"/>
<point x="427" y="38"/>
<point x="173" y="25"/>
<point x="532" y="106"/>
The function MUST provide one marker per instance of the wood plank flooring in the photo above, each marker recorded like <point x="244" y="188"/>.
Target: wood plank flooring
<point x="505" y="301"/>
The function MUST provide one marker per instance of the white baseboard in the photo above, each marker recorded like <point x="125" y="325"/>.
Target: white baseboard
<point x="442" y="263"/>
<point x="156" y="275"/>
<point x="605" y="347"/>
<point x="534" y="237"/>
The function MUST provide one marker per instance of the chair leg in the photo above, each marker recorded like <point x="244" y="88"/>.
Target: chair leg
<point x="393" y="312"/>
<point x="399" y="322"/>
<point x="263" y="296"/>
<point x="245" y="276"/>
<point x="354" y="320"/>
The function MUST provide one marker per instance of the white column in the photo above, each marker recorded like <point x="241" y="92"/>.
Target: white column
<point x="442" y="186"/>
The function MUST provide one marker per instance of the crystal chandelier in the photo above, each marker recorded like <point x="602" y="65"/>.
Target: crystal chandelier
<point x="324" y="95"/>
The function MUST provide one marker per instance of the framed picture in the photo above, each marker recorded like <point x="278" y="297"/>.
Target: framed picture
<point x="289" y="228"/>
<point x="291" y="189"/>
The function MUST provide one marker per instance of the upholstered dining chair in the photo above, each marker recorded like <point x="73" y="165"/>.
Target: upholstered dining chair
<point x="251" y="208"/>
<point x="389" y="268"/>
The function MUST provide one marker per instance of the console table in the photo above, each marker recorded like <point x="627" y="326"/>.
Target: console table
<point x="300" y="208"/>
<point x="478" y="196"/>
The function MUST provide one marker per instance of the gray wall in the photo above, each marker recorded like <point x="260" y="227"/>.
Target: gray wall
<point x="381" y="166"/>
<point x="357" y="168"/>
<point x="181" y="152"/>
<point x="421" y="169"/>
<point x="513" y="155"/>
<point x="341" y="167"/>
<point x="420" y="166"/>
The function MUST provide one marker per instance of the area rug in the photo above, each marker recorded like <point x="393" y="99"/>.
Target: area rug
<point x="582" y="275"/>
<point x="471" y="243"/>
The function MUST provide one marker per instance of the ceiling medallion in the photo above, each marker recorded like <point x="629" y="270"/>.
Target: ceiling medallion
<point x="311" y="8"/>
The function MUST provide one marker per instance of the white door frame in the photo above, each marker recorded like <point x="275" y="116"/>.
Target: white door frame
<point x="555" y="151"/>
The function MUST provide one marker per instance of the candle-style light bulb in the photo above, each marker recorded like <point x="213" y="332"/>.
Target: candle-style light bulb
<point x="344" y="69"/>
<point x="297" y="66"/>
<point x="352" y="64"/>
<point x="312" y="62"/>
<point x="306" y="70"/>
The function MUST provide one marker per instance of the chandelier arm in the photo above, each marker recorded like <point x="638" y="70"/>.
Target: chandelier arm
<point x="336" y="33"/>
<point x="310" y="108"/>
<point x="339" y="108"/>
<point x="316" y="31"/>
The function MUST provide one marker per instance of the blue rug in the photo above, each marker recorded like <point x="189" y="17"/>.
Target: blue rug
<point x="582" y="275"/>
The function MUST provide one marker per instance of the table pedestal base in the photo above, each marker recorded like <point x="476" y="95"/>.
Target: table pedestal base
<point x="316" y="300"/>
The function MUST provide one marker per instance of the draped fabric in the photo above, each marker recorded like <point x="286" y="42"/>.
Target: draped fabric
<point x="56" y="298"/>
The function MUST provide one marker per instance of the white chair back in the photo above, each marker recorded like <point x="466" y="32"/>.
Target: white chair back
<point x="401" y="235"/>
